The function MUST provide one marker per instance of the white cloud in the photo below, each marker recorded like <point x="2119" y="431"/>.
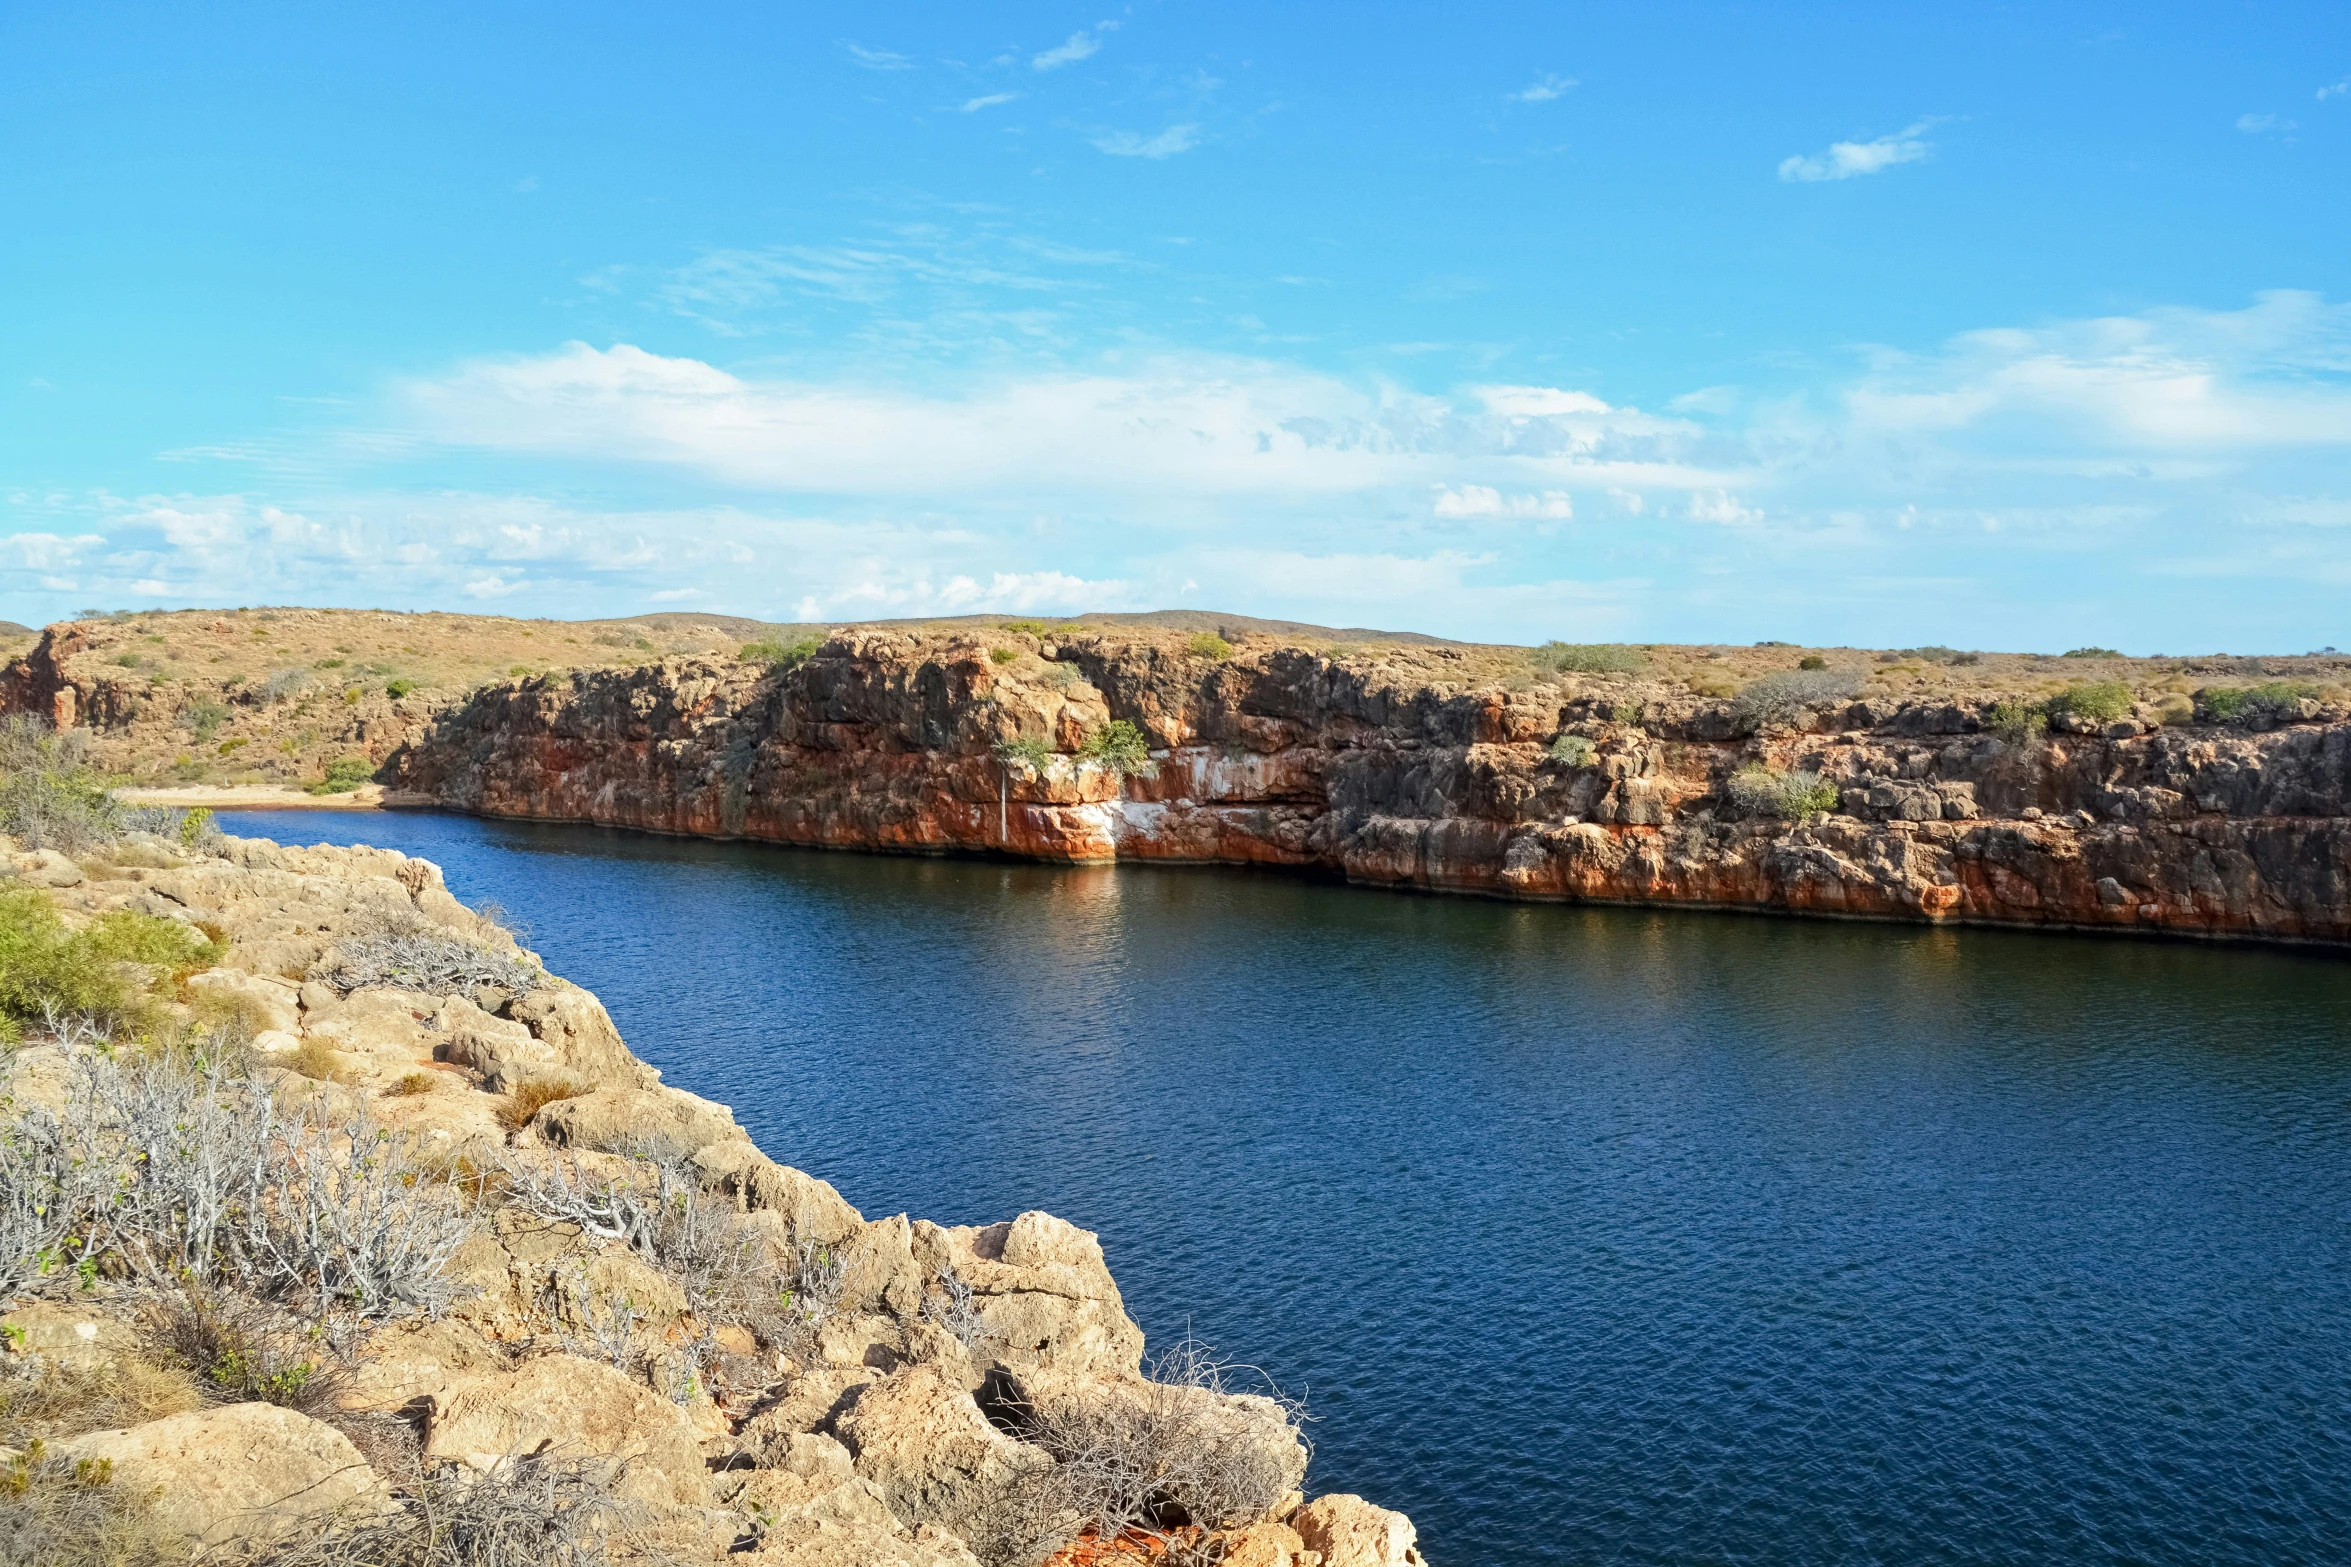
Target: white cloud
<point x="46" y="551"/>
<point x="677" y="595"/>
<point x="1184" y="425"/>
<point x="1544" y="90"/>
<point x="1845" y="159"/>
<point x="1132" y="144"/>
<point x="2335" y="90"/>
<point x="1722" y="507"/>
<point x="974" y="105"/>
<point x="876" y="59"/>
<point x="1082" y="45"/>
<point x="2255" y="124"/>
<point x="1478" y="500"/>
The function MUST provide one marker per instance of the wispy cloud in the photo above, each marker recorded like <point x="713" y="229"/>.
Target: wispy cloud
<point x="1845" y="159"/>
<point x="1133" y="144"/>
<point x="2335" y="90"/>
<point x="876" y="59"/>
<point x="1082" y="45"/>
<point x="1478" y="500"/>
<point x="2255" y="124"/>
<point x="974" y="105"/>
<point x="1544" y="89"/>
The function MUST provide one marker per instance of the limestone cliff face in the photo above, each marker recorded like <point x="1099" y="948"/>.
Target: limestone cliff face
<point x="1387" y="772"/>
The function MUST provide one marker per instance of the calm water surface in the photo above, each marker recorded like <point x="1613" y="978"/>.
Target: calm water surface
<point x="1591" y="1236"/>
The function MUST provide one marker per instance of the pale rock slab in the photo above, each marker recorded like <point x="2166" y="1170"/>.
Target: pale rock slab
<point x="247" y="1472"/>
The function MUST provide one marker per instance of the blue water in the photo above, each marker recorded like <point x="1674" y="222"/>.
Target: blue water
<point x="1591" y="1236"/>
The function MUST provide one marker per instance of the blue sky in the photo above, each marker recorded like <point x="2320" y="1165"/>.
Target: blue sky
<point x="1993" y="326"/>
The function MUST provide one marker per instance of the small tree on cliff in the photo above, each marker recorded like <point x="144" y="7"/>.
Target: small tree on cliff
<point x="1119" y="747"/>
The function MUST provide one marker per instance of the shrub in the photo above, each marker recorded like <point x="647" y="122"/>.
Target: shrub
<point x="243" y="1352"/>
<point x="1208" y="644"/>
<point x="2232" y="703"/>
<point x="50" y="973"/>
<point x="1590" y="658"/>
<point x="63" y="1512"/>
<point x="282" y="686"/>
<point x="396" y="689"/>
<point x="538" y="1511"/>
<point x="527" y="1098"/>
<point x="2016" y="722"/>
<point x="344" y="774"/>
<point x="1812" y="661"/>
<point x="1118" y="747"/>
<point x="1028" y="628"/>
<point x="1780" y="698"/>
<point x="2098" y="702"/>
<point x="777" y="654"/>
<point x="49" y="797"/>
<point x="1003" y="655"/>
<point x="424" y="959"/>
<point x="1030" y="749"/>
<point x="1573" y="750"/>
<point x="204" y="718"/>
<point x="412" y="1084"/>
<point x="1762" y="791"/>
<point x="1150" y="1460"/>
<point x="2090" y="652"/>
<point x="319" y="1061"/>
<point x="172" y="1167"/>
<point x="330" y="663"/>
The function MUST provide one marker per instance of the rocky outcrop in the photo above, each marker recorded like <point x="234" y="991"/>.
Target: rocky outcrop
<point x="879" y="1410"/>
<point x="1400" y="771"/>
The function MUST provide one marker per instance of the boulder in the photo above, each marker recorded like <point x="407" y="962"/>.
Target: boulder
<point x="924" y="1442"/>
<point x="624" y="1120"/>
<point x="1351" y="1532"/>
<point x="1266" y="1545"/>
<point x="574" y="1025"/>
<point x="579" y="1408"/>
<point x="811" y="1209"/>
<point x="1045" y="1300"/>
<point x="244" y="1473"/>
<point x="68" y="1334"/>
<point x="48" y="868"/>
<point x="504" y="1053"/>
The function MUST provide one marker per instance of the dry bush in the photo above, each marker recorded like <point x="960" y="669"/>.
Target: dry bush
<point x="529" y="1097"/>
<point x="413" y="1083"/>
<point x="1781" y="698"/>
<point x="528" y="1512"/>
<point x="427" y="959"/>
<point x="174" y="1170"/>
<point x="63" y="1512"/>
<point x="242" y="1351"/>
<point x="1169" y="1460"/>
<point x="53" y="1399"/>
<point x="320" y="1062"/>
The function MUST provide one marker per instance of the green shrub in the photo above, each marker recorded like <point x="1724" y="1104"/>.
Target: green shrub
<point x="781" y="655"/>
<point x="2090" y="652"/>
<point x="2100" y="702"/>
<point x="2017" y="722"/>
<point x="397" y="689"/>
<point x="204" y="718"/>
<point x="344" y="774"/>
<point x="1118" y="747"/>
<point x="2230" y="703"/>
<point x="1031" y="749"/>
<point x="1590" y="658"/>
<point x="47" y="969"/>
<point x="1029" y="628"/>
<point x="1208" y="644"/>
<point x="1762" y="791"/>
<point x="1003" y="655"/>
<point x="1573" y="750"/>
<point x="1812" y="661"/>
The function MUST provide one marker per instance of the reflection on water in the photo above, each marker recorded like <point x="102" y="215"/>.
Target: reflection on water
<point x="1591" y="1235"/>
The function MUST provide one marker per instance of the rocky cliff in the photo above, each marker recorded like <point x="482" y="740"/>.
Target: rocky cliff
<point x="567" y="1313"/>
<point x="1421" y="767"/>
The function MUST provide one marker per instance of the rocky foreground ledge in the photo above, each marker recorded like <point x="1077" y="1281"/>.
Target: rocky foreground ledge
<point x="2214" y="809"/>
<point x="537" y="1274"/>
